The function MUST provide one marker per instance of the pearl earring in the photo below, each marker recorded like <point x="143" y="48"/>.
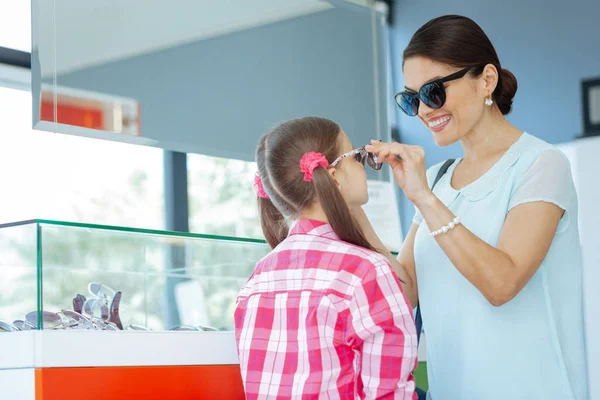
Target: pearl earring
<point x="489" y="101"/>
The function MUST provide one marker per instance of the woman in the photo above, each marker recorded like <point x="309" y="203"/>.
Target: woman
<point x="494" y="247"/>
<point x="323" y="315"/>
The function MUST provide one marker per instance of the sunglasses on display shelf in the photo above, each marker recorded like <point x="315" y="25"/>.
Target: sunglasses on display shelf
<point x="180" y="328"/>
<point x="23" y="325"/>
<point x="199" y="328"/>
<point x="6" y="327"/>
<point x="100" y="312"/>
<point x="134" y="327"/>
<point x="69" y="320"/>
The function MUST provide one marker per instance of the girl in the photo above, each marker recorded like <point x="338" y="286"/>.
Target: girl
<point x="323" y="315"/>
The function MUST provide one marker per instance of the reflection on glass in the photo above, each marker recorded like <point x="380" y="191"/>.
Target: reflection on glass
<point x="81" y="180"/>
<point x="87" y="109"/>
<point x="209" y="77"/>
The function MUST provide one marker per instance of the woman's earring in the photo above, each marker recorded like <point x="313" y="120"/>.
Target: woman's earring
<point x="489" y="101"/>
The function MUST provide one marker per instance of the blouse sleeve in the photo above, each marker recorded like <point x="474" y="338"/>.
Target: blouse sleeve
<point x="548" y="180"/>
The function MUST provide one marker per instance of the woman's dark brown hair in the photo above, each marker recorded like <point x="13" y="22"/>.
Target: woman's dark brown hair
<point x="278" y="157"/>
<point x="459" y="42"/>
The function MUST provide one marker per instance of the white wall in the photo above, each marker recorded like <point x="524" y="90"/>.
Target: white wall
<point x="583" y="155"/>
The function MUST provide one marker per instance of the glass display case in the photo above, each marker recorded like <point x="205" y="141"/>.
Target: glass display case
<point x="60" y="275"/>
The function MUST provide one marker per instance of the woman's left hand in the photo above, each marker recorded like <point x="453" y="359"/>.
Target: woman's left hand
<point x="408" y="165"/>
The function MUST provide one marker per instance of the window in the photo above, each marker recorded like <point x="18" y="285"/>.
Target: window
<point x="15" y="24"/>
<point x="54" y="176"/>
<point x="222" y="201"/>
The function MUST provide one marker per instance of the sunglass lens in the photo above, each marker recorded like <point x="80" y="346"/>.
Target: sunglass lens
<point x="408" y="102"/>
<point x="433" y="95"/>
<point x="360" y="157"/>
<point x="373" y="162"/>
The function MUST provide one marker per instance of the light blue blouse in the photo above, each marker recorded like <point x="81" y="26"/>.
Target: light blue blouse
<point x="532" y="347"/>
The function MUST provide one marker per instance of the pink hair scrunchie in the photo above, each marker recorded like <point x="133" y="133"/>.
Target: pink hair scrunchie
<point x="259" y="188"/>
<point x="309" y="162"/>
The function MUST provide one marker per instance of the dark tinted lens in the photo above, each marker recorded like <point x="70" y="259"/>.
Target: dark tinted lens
<point x="433" y="95"/>
<point x="408" y="102"/>
<point x="372" y="160"/>
<point x="360" y="157"/>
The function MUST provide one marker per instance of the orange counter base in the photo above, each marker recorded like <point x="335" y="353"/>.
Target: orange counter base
<point x="98" y="365"/>
<point x="222" y="382"/>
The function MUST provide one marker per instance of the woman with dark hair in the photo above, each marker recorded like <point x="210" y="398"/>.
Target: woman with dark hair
<point x="323" y="315"/>
<point x="494" y="246"/>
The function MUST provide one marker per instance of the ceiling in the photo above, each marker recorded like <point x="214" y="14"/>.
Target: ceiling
<point x="92" y="33"/>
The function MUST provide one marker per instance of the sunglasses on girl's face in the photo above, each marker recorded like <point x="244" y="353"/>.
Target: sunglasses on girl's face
<point x="361" y="155"/>
<point x="432" y="94"/>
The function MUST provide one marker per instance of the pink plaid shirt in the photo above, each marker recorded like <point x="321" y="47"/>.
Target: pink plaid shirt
<point x="322" y="318"/>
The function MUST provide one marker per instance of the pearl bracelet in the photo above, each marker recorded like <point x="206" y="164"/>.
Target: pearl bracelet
<point x="445" y="229"/>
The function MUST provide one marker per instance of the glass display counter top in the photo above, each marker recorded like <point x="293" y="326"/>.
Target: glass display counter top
<point x="57" y="275"/>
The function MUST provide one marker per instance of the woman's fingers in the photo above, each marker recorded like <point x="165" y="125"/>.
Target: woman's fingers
<point x="408" y="164"/>
<point x="408" y="153"/>
<point x="392" y="160"/>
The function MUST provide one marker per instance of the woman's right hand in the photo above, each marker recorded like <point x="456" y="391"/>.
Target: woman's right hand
<point x="408" y="166"/>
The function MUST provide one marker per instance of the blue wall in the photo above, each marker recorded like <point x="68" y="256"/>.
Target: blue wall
<point x="549" y="45"/>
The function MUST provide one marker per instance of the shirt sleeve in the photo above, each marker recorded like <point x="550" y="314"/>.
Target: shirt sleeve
<point x="382" y="329"/>
<point x="549" y="180"/>
<point x="418" y="218"/>
<point x="431" y="174"/>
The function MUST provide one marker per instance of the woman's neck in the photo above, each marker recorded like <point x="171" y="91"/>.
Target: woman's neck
<point x="492" y="135"/>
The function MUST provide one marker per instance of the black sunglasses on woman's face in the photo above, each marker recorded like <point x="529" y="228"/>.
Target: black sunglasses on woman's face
<point x="433" y="94"/>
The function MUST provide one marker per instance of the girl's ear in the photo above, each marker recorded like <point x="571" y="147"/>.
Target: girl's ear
<point x="332" y="172"/>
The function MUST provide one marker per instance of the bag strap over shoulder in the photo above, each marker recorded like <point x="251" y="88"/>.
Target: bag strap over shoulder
<point x="441" y="172"/>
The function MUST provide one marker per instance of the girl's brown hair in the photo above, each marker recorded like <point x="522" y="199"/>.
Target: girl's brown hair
<point x="278" y="157"/>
